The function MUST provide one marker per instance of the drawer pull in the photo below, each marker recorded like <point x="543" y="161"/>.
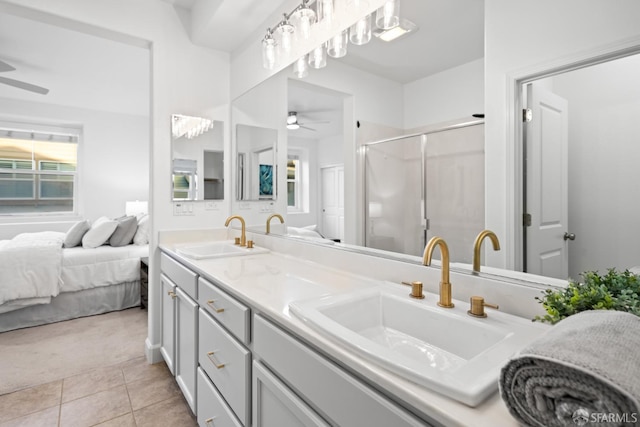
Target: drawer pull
<point x="172" y="294"/>
<point x="210" y="304"/>
<point x="209" y="422"/>
<point x="215" y="363"/>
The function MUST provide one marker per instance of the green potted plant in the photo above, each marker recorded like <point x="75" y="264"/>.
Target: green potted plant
<point x="612" y="291"/>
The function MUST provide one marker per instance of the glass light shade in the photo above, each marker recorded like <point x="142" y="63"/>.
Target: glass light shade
<point x="337" y="46"/>
<point x="318" y="57"/>
<point x="284" y="34"/>
<point x="357" y="3"/>
<point x="325" y="10"/>
<point x="388" y="16"/>
<point x="303" y="19"/>
<point x="301" y="67"/>
<point x="360" y="32"/>
<point x="268" y="52"/>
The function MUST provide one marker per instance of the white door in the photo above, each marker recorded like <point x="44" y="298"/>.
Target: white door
<point x="332" y="203"/>
<point x="546" y="180"/>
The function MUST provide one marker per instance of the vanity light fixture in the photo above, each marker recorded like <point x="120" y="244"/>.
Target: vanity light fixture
<point x="189" y="126"/>
<point x="299" y="29"/>
<point x="402" y="29"/>
<point x="301" y="67"/>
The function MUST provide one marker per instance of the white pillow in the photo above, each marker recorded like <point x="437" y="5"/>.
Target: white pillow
<point x="75" y="234"/>
<point x="99" y="232"/>
<point x="142" y="233"/>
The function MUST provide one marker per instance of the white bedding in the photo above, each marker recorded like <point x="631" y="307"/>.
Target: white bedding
<point x="30" y="267"/>
<point x="101" y="266"/>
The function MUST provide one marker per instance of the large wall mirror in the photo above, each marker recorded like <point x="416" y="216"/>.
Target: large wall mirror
<point x="256" y="167"/>
<point x="443" y="85"/>
<point x="197" y="158"/>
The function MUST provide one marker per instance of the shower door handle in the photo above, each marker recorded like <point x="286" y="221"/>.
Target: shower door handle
<point x="569" y="236"/>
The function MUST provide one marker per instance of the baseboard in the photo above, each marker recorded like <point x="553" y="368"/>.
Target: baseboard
<point x="152" y="352"/>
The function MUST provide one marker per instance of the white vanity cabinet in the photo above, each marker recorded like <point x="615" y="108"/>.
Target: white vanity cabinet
<point x="180" y="325"/>
<point x="341" y="398"/>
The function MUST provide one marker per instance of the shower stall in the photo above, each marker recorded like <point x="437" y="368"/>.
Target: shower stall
<point x="423" y="185"/>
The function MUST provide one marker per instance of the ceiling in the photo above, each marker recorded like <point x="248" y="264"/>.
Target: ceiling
<point x="450" y="33"/>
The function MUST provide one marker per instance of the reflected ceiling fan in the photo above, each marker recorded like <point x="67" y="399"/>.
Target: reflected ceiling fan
<point x="4" y="67"/>
<point x="293" y="123"/>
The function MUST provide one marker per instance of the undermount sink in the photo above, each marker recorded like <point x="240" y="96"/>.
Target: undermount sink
<point x="224" y="248"/>
<point x="445" y="350"/>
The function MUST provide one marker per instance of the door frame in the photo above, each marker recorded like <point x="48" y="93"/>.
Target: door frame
<point x="515" y="130"/>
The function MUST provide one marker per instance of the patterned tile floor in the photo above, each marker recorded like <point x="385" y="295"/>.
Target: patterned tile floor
<point x="132" y="393"/>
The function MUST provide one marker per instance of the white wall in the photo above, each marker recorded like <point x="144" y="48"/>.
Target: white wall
<point x="113" y="161"/>
<point x="604" y="178"/>
<point x="520" y="36"/>
<point x="451" y="94"/>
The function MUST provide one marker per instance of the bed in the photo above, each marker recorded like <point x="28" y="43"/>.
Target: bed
<point x="41" y="281"/>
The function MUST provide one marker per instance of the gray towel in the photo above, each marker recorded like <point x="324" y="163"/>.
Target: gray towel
<point x="584" y="371"/>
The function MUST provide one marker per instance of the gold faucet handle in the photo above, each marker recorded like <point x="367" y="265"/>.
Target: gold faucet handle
<point x="237" y="241"/>
<point x="478" y="305"/>
<point x="249" y="244"/>
<point x="416" y="290"/>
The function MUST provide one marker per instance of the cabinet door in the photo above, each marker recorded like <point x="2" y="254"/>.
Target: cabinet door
<point x="167" y="345"/>
<point x="187" y="346"/>
<point x="274" y="405"/>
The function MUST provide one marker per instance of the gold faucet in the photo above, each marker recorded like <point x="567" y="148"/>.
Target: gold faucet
<point x="243" y="235"/>
<point x="269" y="221"/>
<point x="478" y="243"/>
<point x="445" y="286"/>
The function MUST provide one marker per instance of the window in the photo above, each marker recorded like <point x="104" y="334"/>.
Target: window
<point x="293" y="182"/>
<point x="37" y="171"/>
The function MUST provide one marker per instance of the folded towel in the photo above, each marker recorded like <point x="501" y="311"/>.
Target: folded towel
<point x="585" y="369"/>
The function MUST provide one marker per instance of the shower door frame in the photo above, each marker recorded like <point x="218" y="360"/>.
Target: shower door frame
<point x="423" y="172"/>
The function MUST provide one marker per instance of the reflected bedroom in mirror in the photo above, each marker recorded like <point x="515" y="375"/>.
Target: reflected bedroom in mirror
<point x="197" y="158"/>
<point x="256" y="162"/>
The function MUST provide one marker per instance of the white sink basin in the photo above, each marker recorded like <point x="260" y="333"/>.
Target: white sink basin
<point x="224" y="248"/>
<point x="445" y="350"/>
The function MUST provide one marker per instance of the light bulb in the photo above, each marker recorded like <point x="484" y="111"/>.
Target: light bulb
<point x="318" y="57"/>
<point x="302" y="19"/>
<point x="388" y="16"/>
<point x="325" y="11"/>
<point x="300" y="67"/>
<point x="337" y="46"/>
<point x="360" y="32"/>
<point x="284" y="33"/>
<point x="268" y="51"/>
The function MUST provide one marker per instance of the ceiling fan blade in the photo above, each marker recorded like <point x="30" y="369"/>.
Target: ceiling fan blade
<point x="23" y="85"/>
<point x="5" y="67"/>
<point x="314" y="122"/>
<point x="307" y="128"/>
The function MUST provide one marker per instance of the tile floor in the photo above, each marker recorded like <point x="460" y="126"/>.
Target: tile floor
<point x="129" y="394"/>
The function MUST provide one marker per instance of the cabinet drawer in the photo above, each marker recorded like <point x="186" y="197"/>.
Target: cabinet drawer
<point x="212" y="409"/>
<point x="184" y="278"/>
<point x="340" y="397"/>
<point x="225" y="309"/>
<point x="227" y="363"/>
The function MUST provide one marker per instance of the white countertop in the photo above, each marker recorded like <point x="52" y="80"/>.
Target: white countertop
<point x="269" y="282"/>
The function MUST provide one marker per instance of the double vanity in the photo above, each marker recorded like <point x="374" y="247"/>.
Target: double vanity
<point x="282" y="332"/>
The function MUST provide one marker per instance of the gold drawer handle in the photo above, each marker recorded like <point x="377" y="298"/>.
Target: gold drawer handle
<point x="210" y="304"/>
<point x="215" y="363"/>
<point x="172" y="294"/>
<point x="209" y="422"/>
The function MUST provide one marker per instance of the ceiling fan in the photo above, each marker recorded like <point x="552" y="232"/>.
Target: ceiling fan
<point x="4" y="67"/>
<point x="293" y="123"/>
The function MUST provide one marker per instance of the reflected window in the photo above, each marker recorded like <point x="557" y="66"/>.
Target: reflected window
<point x="293" y="182"/>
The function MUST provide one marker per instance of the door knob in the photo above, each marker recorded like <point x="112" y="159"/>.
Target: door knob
<point x="569" y="236"/>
